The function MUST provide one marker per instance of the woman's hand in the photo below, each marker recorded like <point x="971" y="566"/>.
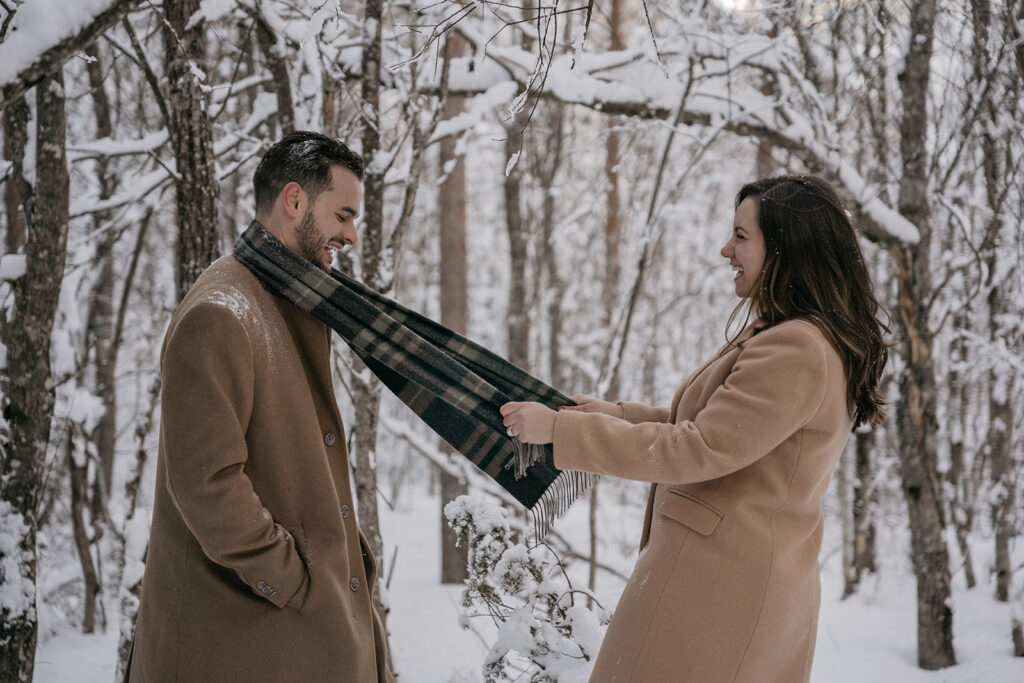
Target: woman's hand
<point x="589" y="404"/>
<point x="530" y="422"/>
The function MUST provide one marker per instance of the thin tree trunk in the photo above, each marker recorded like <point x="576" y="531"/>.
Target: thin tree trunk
<point x="1017" y="634"/>
<point x="278" y="70"/>
<point x="916" y="419"/>
<point x="999" y="441"/>
<point x="546" y="173"/>
<point x="101" y="316"/>
<point x="83" y="544"/>
<point x="30" y="390"/>
<point x="844" y="486"/>
<point x="454" y="299"/>
<point x="196" y="189"/>
<point x="961" y="482"/>
<point x="863" y="504"/>
<point x="612" y="270"/>
<point x="131" y="565"/>
<point x="14" y="238"/>
<point x="1001" y="380"/>
<point x="366" y="394"/>
<point x="612" y="240"/>
<point x="518" y="239"/>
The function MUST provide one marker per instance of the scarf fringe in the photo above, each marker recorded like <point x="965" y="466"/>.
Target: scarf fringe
<point x="556" y="500"/>
<point x="524" y="455"/>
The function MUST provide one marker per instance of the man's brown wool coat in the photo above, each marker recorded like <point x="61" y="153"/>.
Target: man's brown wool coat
<point x="256" y="570"/>
<point x="726" y="587"/>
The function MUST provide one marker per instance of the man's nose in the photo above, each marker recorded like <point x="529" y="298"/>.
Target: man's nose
<point x="350" y="234"/>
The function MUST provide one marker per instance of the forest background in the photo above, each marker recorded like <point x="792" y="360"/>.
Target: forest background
<point x="555" y="179"/>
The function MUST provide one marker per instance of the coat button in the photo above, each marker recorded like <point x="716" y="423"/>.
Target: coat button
<point x="329" y="438"/>
<point x="354" y="584"/>
<point x="344" y="511"/>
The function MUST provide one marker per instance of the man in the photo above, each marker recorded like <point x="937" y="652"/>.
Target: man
<point x="257" y="569"/>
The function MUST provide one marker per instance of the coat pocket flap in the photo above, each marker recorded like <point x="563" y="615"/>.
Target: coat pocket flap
<point x="690" y="512"/>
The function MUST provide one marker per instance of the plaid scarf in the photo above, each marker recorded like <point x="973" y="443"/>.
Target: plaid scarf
<point x="453" y="384"/>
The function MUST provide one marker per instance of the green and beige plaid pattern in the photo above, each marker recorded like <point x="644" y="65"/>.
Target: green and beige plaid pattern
<point x="453" y="384"/>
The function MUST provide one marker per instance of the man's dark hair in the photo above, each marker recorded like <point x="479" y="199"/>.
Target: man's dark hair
<point x="303" y="157"/>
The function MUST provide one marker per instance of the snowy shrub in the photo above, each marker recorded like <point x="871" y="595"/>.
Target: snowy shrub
<point x="545" y="629"/>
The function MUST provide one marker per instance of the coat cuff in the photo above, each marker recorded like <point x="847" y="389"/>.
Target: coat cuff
<point x="568" y="442"/>
<point x="641" y="412"/>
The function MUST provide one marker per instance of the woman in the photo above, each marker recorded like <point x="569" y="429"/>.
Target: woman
<point x="726" y="587"/>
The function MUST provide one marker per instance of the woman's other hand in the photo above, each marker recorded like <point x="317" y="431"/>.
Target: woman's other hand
<point x="530" y="422"/>
<point x="589" y="404"/>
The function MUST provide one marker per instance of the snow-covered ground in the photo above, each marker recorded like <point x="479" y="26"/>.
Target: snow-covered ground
<point x="869" y="637"/>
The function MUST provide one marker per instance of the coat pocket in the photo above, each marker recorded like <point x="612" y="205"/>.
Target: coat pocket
<point x="298" y="599"/>
<point x="690" y="512"/>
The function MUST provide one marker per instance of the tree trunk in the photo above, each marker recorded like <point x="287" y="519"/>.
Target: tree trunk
<point x="999" y="441"/>
<point x="366" y="395"/>
<point x="14" y="238"/>
<point x="83" y="544"/>
<point x="100" y="326"/>
<point x="454" y="300"/>
<point x="549" y="156"/>
<point x="30" y="392"/>
<point x="916" y="409"/>
<point x="278" y="70"/>
<point x="844" y="486"/>
<point x="518" y="241"/>
<point x="863" y="501"/>
<point x="612" y="269"/>
<point x="1017" y="633"/>
<point x="131" y="565"/>
<point x="612" y="241"/>
<point x="858" y="525"/>
<point x="1001" y="380"/>
<point x="196" y="189"/>
<point x="962" y="485"/>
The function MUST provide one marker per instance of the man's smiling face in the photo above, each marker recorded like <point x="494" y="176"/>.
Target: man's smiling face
<point x="329" y="221"/>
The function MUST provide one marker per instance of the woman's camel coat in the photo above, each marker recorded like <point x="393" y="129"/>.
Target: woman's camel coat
<point x="726" y="587"/>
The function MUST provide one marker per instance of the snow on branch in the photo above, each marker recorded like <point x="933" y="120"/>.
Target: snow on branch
<point x="722" y="75"/>
<point x="149" y="143"/>
<point x="263" y="108"/>
<point x="45" y="34"/>
<point x="545" y="627"/>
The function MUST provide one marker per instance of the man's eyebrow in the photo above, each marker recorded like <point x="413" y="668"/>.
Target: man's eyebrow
<point x="349" y="210"/>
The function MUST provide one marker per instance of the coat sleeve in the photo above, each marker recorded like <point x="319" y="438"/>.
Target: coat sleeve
<point x="206" y="403"/>
<point x="641" y="412"/>
<point x="776" y="385"/>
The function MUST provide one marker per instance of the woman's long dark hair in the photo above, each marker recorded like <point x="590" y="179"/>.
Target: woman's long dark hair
<point x="814" y="270"/>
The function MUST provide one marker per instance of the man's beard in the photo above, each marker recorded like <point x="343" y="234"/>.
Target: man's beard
<point x="310" y="242"/>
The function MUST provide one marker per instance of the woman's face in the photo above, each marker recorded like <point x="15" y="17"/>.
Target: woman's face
<point x="745" y="249"/>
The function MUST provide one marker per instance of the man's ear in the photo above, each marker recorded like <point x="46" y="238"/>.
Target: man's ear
<point x="294" y="200"/>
